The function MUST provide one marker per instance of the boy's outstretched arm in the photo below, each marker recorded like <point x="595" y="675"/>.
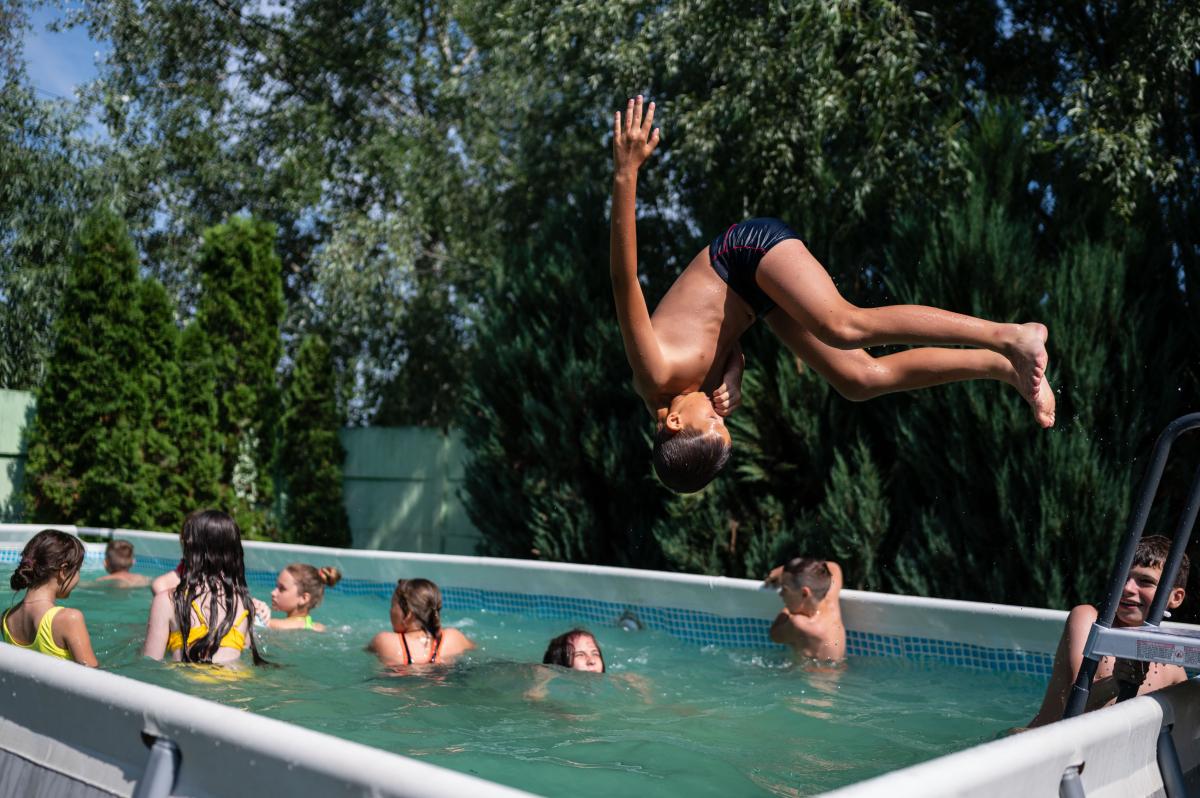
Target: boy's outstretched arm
<point x="634" y="138"/>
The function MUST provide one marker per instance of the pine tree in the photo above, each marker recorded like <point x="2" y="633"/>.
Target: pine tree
<point x="86" y="460"/>
<point x="240" y="310"/>
<point x="158" y="369"/>
<point x="559" y="445"/>
<point x="196" y="422"/>
<point x="310" y="454"/>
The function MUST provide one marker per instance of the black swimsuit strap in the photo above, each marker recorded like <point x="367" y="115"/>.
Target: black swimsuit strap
<point x="407" y="653"/>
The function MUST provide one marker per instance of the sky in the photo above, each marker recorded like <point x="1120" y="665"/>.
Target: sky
<point x="58" y="62"/>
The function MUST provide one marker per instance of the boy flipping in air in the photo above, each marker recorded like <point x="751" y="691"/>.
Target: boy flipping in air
<point x="1140" y="587"/>
<point x="686" y="361"/>
<point x="811" y="619"/>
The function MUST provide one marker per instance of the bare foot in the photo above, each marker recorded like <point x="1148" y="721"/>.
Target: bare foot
<point x="1043" y="404"/>
<point x="1027" y="353"/>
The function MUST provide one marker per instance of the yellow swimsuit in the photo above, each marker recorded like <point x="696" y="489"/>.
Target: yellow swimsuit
<point x="44" y="641"/>
<point x="234" y="638"/>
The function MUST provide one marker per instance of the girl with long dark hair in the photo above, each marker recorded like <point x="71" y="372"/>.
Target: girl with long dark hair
<point x="206" y="618"/>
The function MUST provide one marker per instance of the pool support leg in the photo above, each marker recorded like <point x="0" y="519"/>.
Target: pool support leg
<point x="1071" y="786"/>
<point x="1169" y="766"/>
<point x="162" y="769"/>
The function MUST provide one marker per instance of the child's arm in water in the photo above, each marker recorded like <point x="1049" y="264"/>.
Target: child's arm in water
<point x="632" y="144"/>
<point x="158" y="627"/>
<point x="75" y="639"/>
<point x="728" y="395"/>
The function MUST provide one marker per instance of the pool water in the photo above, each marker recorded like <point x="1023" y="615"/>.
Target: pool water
<point x="669" y="718"/>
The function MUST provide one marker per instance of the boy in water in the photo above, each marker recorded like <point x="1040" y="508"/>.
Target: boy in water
<point x="687" y="365"/>
<point x="118" y="559"/>
<point x="1139" y="592"/>
<point x="811" y="619"/>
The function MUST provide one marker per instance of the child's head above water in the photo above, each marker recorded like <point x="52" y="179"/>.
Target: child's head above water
<point x="691" y="444"/>
<point x="577" y="650"/>
<point x="1142" y="581"/>
<point x="803" y="583"/>
<point x="419" y="601"/>
<point x="300" y="587"/>
<point x="48" y="555"/>
<point x="118" y="556"/>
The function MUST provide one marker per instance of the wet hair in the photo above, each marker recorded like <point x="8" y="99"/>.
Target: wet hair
<point x="423" y="599"/>
<point x="119" y="554"/>
<point x="1152" y="551"/>
<point x="313" y="580"/>
<point x="806" y="572"/>
<point x="561" y="649"/>
<point x="44" y="556"/>
<point x="213" y="567"/>
<point x="686" y="460"/>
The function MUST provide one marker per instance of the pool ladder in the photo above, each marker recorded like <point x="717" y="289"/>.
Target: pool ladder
<point x="1148" y="642"/>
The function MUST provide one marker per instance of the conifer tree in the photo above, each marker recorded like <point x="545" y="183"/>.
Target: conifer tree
<point x="158" y="369"/>
<point x="310" y="454"/>
<point x="196" y="422"/>
<point x="240" y="310"/>
<point x="560" y="448"/>
<point x="86" y="460"/>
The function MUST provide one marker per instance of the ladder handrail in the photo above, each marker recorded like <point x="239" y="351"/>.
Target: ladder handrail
<point x="1137" y="525"/>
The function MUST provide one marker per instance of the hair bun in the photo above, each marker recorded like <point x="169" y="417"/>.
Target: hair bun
<point x="330" y="575"/>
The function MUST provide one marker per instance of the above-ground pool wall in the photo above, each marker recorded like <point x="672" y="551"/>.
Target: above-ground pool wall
<point x="76" y="732"/>
<point x="700" y="609"/>
<point x="1114" y="749"/>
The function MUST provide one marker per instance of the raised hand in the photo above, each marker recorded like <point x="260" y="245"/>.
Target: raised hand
<point x="634" y="136"/>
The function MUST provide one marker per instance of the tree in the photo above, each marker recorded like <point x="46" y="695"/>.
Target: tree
<point x="239" y="312"/>
<point x="196" y="423"/>
<point x="86" y="458"/>
<point x="310" y="454"/>
<point x="557" y="469"/>
<point x="158" y="368"/>
<point x="49" y="178"/>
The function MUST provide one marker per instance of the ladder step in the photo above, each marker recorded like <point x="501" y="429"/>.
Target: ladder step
<point x="1173" y="646"/>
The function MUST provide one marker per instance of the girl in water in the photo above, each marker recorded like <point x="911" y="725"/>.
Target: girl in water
<point x="206" y="618"/>
<point x="299" y="588"/>
<point x="49" y="570"/>
<point x="577" y="650"/>
<point x="417" y="636"/>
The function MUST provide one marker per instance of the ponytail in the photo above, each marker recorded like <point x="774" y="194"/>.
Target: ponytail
<point x="45" y="555"/>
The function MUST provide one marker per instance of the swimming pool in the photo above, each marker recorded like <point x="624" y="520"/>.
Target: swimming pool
<point x="670" y="717"/>
<point x="719" y="709"/>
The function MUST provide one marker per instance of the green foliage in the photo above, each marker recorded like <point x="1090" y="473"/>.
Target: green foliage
<point x="310" y="454"/>
<point x="158" y="369"/>
<point x="195" y="429"/>
<point x="239" y="312"/>
<point x="48" y="180"/>
<point x="558" y="441"/>
<point x="87" y="448"/>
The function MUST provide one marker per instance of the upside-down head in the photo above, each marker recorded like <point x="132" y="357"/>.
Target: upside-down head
<point x="691" y="444"/>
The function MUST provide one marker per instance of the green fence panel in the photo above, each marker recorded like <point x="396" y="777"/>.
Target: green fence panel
<point x="400" y="483"/>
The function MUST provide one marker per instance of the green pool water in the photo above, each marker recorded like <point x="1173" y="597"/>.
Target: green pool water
<point x="669" y="718"/>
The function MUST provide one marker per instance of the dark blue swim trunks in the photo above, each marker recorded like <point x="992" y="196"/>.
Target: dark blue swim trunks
<point x="735" y="255"/>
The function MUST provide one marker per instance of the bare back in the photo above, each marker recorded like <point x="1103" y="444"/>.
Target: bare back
<point x="697" y="323"/>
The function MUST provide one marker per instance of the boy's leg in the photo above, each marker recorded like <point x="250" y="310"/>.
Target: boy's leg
<point x="858" y="376"/>
<point x="793" y="278"/>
